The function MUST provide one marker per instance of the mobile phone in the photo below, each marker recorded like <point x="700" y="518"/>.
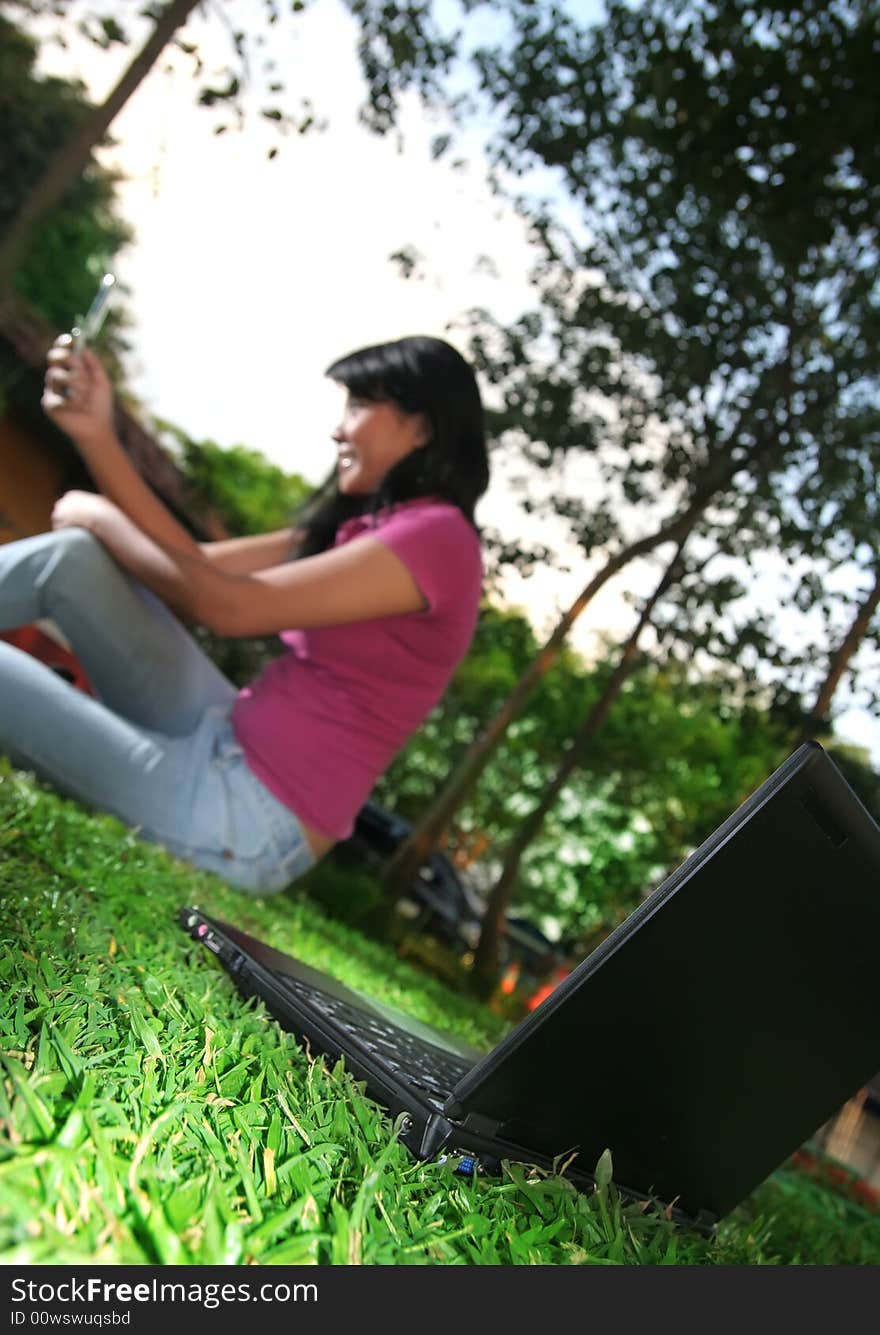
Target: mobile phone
<point x="87" y="326"/>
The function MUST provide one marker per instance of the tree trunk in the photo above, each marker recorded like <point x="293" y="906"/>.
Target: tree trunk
<point x="426" y="833"/>
<point x="68" y="162"/>
<point x="485" y="969"/>
<point x="817" y="718"/>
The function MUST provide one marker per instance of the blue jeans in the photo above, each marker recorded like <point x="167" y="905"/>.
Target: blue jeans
<point x="156" y="747"/>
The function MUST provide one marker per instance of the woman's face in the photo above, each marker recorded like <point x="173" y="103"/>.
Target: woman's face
<point x="371" y="439"/>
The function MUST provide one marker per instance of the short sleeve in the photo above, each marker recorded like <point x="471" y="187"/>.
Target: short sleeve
<point x="440" y="549"/>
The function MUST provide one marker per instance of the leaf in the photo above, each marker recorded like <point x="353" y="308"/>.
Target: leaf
<point x="34" y="1104"/>
<point x="603" y="1172"/>
<point x="145" y="1033"/>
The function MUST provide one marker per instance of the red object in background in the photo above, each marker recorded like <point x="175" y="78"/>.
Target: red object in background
<point x="42" y="646"/>
<point x="543" y="992"/>
<point x="838" y="1177"/>
<point x="510" y="978"/>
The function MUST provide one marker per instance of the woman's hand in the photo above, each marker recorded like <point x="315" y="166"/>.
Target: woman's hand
<point x="177" y="577"/>
<point x="77" y="394"/>
<point x="83" y="509"/>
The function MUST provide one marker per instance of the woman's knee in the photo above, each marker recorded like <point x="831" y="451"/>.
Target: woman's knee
<point x="33" y="569"/>
<point x="76" y="544"/>
<point x="77" y="557"/>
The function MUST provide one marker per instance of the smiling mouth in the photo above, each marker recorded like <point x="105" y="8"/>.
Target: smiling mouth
<point x="346" y="458"/>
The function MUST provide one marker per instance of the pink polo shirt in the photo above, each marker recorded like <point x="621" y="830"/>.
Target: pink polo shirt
<point x="323" y="721"/>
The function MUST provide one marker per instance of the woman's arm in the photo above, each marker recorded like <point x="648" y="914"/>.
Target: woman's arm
<point x="241" y="556"/>
<point x="78" y="397"/>
<point x="359" y="581"/>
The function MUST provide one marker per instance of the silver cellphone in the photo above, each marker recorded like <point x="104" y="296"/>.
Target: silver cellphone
<point x="87" y="326"/>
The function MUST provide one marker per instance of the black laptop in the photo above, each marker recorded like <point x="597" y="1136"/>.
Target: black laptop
<point x="731" y="1014"/>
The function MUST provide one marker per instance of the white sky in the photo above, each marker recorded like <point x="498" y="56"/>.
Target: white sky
<point x="248" y="277"/>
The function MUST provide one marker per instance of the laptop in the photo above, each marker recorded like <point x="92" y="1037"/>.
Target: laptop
<point x="713" y="1032"/>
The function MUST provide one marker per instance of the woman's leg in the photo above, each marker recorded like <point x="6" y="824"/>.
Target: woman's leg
<point x="193" y="793"/>
<point x="140" y="659"/>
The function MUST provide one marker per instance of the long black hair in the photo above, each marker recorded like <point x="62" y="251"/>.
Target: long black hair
<point x="419" y="374"/>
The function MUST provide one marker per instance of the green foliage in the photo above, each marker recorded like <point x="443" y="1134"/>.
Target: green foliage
<point x="155" y="1117"/>
<point x="707" y="313"/>
<point x="800" y="1222"/>
<point x="677" y="754"/>
<point x="248" y="492"/>
<point x="74" y="245"/>
<point x="399" y="46"/>
<point x="713" y="297"/>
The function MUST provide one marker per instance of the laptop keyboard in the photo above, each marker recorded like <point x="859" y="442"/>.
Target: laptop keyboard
<point x="432" y="1069"/>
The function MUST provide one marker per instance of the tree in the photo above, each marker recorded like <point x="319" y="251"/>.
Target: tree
<point x="503" y="645"/>
<point x="76" y="242"/>
<point x="70" y="158"/>
<point x="399" y="45"/>
<point x="673" y="758"/>
<point x="708" y="333"/>
<point x="486" y="957"/>
<point x="426" y="832"/>
<point x="817" y="719"/>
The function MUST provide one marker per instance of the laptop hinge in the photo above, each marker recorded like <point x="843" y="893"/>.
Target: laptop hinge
<point x="426" y="1139"/>
<point x="487" y="1128"/>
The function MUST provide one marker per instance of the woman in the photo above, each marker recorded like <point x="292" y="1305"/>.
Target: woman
<point x="375" y="595"/>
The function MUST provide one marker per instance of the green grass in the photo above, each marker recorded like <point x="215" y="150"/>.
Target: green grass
<point x="150" y="1115"/>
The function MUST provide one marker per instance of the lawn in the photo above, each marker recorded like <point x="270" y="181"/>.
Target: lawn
<point x="152" y="1116"/>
